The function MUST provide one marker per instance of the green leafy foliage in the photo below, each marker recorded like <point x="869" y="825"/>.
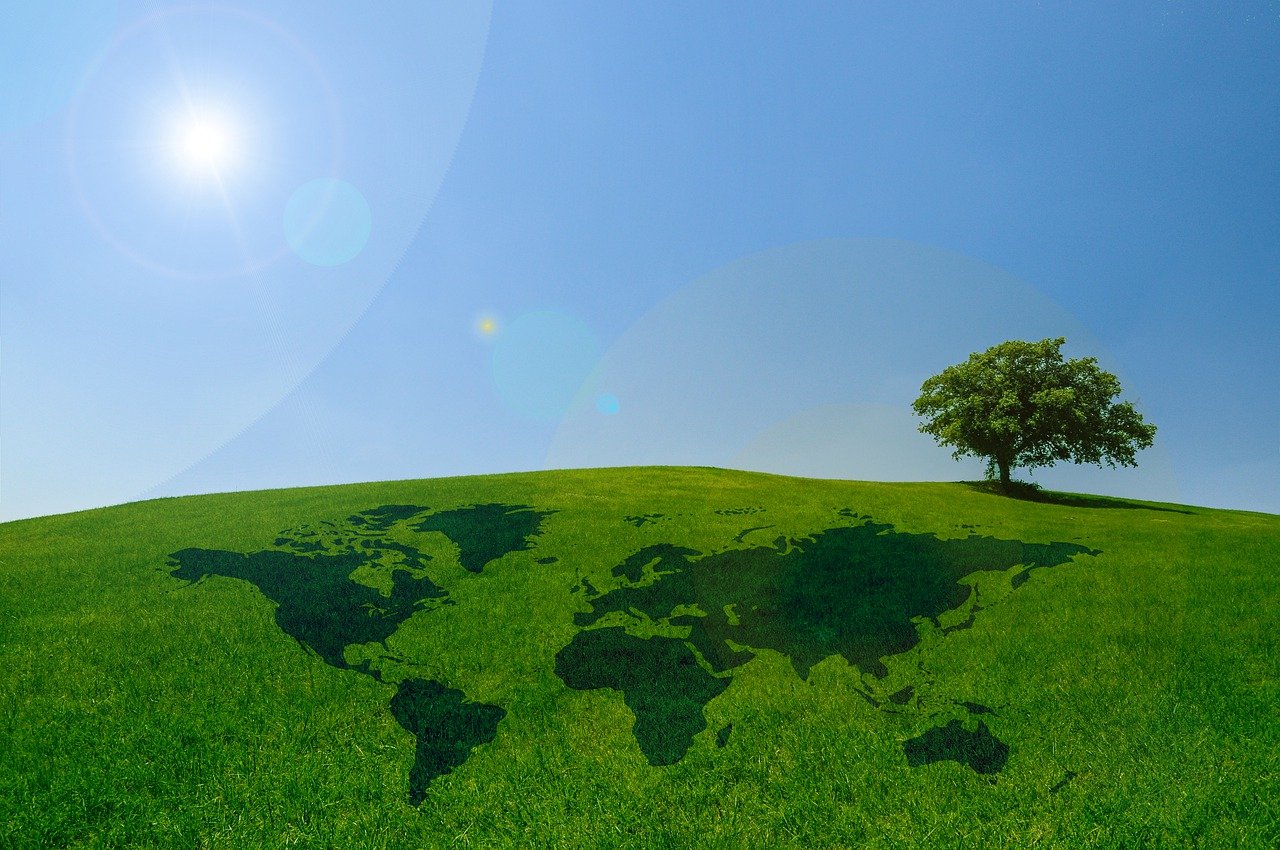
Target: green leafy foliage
<point x="1021" y="404"/>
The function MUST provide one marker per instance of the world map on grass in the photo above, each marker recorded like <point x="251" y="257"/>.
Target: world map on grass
<point x="668" y="631"/>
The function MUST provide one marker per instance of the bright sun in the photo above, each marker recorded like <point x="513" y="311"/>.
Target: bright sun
<point x="204" y="142"/>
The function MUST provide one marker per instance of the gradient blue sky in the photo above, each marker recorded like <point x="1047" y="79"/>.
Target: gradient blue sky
<point x="722" y="233"/>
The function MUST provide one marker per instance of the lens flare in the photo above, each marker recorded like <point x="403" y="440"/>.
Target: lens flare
<point x="204" y="142"/>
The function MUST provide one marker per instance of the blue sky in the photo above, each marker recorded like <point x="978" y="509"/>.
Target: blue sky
<point x="290" y="243"/>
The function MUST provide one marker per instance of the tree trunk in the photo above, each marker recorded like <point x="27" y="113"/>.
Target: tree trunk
<point x="1004" y="473"/>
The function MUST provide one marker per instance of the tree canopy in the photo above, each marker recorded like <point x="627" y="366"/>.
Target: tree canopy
<point x="1019" y="404"/>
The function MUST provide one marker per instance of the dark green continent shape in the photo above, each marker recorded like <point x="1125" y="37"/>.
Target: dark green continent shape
<point x="446" y="726"/>
<point x="852" y="591"/>
<point x="381" y="519"/>
<point x="484" y="533"/>
<point x="320" y="606"/>
<point x="660" y="680"/>
<point x="980" y="750"/>
<point x="316" y="602"/>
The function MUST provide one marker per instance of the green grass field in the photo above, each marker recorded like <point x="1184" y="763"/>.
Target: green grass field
<point x="648" y="657"/>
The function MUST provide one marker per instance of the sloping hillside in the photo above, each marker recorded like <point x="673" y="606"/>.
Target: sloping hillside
<point x="640" y="657"/>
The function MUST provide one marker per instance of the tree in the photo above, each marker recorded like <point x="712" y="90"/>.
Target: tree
<point x="1020" y="404"/>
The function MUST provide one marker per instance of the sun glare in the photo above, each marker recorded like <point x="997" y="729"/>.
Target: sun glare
<point x="204" y="142"/>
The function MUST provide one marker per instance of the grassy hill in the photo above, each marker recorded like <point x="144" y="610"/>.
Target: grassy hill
<point x="647" y="657"/>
